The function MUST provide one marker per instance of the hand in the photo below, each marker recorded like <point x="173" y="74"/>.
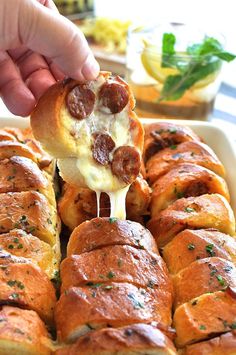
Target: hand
<point x="38" y="47"/>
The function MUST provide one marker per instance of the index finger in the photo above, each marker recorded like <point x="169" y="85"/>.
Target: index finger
<point x="54" y="36"/>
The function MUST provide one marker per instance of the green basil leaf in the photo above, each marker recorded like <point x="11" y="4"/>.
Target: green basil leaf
<point x="175" y="85"/>
<point x="226" y="56"/>
<point x="168" y="50"/>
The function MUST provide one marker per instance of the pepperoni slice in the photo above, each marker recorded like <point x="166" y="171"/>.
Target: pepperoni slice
<point x="126" y="163"/>
<point x="113" y="96"/>
<point x="80" y="101"/>
<point x="102" y="146"/>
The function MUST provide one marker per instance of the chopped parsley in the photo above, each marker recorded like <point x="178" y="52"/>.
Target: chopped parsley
<point x="189" y="209"/>
<point x="136" y="303"/>
<point x="112" y="219"/>
<point x="202" y="327"/>
<point x="173" y="147"/>
<point x="220" y="280"/>
<point x="209" y="249"/>
<point x="191" y="246"/>
<point x="110" y="275"/>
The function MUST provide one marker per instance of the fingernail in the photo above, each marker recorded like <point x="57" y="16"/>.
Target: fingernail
<point x="90" y="68"/>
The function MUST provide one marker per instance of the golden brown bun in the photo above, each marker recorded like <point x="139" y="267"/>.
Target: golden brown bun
<point x="117" y="304"/>
<point x="138" y="200"/>
<point x="224" y="344"/>
<point x="205" y="211"/>
<point x="9" y="149"/>
<point x="55" y="131"/>
<point x="25" y="284"/>
<point x="31" y="212"/>
<point x="188" y="152"/>
<point x="23" y="333"/>
<point x="78" y="204"/>
<point x="161" y="135"/>
<point x="191" y="245"/>
<point x="185" y="180"/>
<point x="117" y="263"/>
<point x="212" y="313"/>
<point x="6" y="136"/>
<point x="203" y="276"/>
<point x="22" y="174"/>
<point x="26" y="137"/>
<point x="133" y="339"/>
<point x="101" y="232"/>
<point x="19" y="243"/>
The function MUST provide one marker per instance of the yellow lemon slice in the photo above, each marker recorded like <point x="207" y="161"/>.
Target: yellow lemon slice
<point x="209" y="79"/>
<point x="151" y="60"/>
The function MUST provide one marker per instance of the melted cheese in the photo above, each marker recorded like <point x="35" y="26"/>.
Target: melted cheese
<point x="82" y="169"/>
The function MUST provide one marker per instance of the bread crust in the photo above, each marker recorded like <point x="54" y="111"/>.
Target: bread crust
<point x="190" y="245"/>
<point x="203" y="276"/>
<point x="224" y="344"/>
<point x="22" y="244"/>
<point x="185" y="180"/>
<point x="133" y="339"/>
<point x="19" y="285"/>
<point x="205" y="211"/>
<point x="117" y="263"/>
<point x="100" y="232"/>
<point x="82" y="308"/>
<point x="160" y="135"/>
<point x="23" y="332"/>
<point x="22" y="174"/>
<point x="212" y="313"/>
<point x="187" y="152"/>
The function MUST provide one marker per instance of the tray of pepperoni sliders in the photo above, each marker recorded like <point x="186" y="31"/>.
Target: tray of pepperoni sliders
<point x="160" y="281"/>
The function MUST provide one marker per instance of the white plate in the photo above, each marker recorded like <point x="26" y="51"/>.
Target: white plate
<point x="212" y="135"/>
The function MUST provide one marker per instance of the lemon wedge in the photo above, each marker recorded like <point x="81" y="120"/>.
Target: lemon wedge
<point x="151" y="60"/>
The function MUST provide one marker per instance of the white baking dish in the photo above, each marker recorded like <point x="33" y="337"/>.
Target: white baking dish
<point x="212" y="135"/>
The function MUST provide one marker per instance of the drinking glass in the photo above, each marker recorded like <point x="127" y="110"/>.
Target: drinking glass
<point x="181" y="84"/>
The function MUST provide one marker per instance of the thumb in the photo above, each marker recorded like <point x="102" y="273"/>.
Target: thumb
<point x="52" y="35"/>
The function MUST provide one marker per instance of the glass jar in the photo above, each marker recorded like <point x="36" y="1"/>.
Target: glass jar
<point x="167" y="74"/>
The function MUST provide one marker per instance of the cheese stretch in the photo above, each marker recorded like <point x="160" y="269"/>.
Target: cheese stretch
<point x="83" y="170"/>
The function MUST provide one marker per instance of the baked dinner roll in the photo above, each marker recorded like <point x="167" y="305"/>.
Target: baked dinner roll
<point x="185" y="180"/>
<point x="6" y="136"/>
<point x="23" y="332"/>
<point x="187" y="152"/>
<point x="224" y="344"/>
<point x="205" y="211"/>
<point x="94" y="131"/>
<point x="190" y="245"/>
<point x="102" y="232"/>
<point x="161" y="135"/>
<point x="81" y="309"/>
<point x="133" y="339"/>
<point x="24" y="284"/>
<point x="9" y="149"/>
<point x="78" y="204"/>
<point x="206" y="315"/>
<point x="30" y="211"/>
<point x="203" y="276"/>
<point x="22" y="174"/>
<point x="26" y="137"/>
<point x="117" y="263"/>
<point x="21" y="244"/>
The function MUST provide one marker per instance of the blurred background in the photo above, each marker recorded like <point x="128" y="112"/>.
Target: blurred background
<point x="218" y="16"/>
<point x="105" y="24"/>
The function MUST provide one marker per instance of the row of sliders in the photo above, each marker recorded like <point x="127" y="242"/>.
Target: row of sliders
<point x="194" y="227"/>
<point x="116" y="295"/>
<point x="29" y="245"/>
